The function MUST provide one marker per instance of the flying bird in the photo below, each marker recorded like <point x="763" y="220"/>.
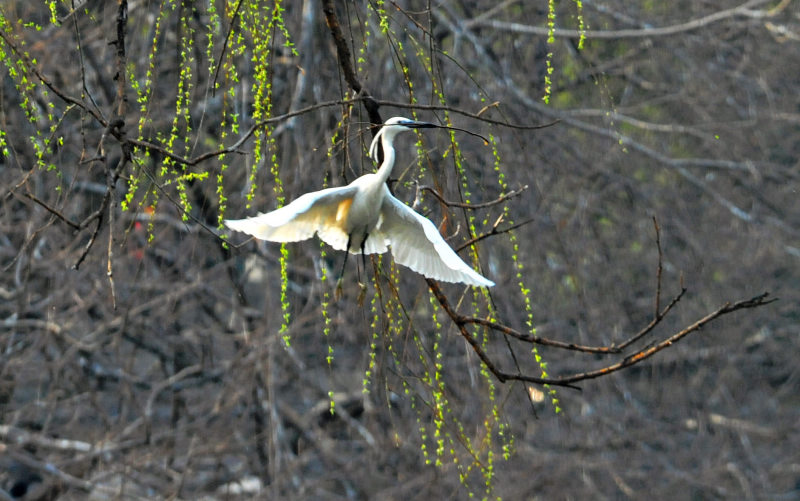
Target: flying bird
<point x="364" y="217"/>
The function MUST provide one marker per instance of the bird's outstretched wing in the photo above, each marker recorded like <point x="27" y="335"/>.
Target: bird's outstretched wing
<point x="417" y="244"/>
<point x="322" y="212"/>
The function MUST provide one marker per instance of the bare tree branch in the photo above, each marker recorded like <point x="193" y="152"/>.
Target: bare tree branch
<point x="646" y="353"/>
<point x="471" y="206"/>
<point x="570" y="379"/>
<point x="492" y="232"/>
<point x="346" y="62"/>
<point x="744" y="10"/>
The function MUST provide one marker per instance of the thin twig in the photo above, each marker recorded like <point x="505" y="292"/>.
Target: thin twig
<point x="742" y="10"/>
<point x="23" y="437"/>
<point x="655" y="321"/>
<point x="90" y="243"/>
<point x="614" y="348"/>
<point x="477" y="116"/>
<point x="50" y="469"/>
<point x="110" y="255"/>
<point x="51" y="210"/>
<point x="234" y="148"/>
<point x="659" y="269"/>
<point x="483" y="205"/>
<point x="646" y="353"/>
<point x="224" y="47"/>
<point x="84" y="87"/>
<point x="493" y="231"/>
<point x="63" y="95"/>
<point x="533" y="339"/>
<point x="184" y="373"/>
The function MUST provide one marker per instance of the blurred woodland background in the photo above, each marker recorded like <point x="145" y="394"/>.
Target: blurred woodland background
<point x="142" y="357"/>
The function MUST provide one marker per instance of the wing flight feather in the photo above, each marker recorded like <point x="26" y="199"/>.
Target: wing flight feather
<point x="417" y="244"/>
<point x="316" y="212"/>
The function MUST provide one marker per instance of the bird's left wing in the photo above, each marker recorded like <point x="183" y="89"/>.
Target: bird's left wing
<point x="322" y="212"/>
<point x="417" y="244"/>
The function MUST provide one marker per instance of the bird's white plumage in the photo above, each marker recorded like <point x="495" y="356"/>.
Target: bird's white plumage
<point x="414" y="240"/>
<point x="417" y="244"/>
<point x="311" y="213"/>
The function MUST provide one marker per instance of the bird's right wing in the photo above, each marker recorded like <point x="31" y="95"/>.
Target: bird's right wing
<point x="417" y="244"/>
<point x="322" y="212"/>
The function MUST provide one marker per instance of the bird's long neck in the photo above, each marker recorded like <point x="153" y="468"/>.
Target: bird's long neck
<point x="388" y="159"/>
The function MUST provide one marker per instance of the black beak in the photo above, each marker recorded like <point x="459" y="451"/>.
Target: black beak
<point x="411" y="124"/>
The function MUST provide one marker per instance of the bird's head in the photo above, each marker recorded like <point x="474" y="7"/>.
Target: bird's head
<point x="402" y="123"/>
<point x="393" y="127"/>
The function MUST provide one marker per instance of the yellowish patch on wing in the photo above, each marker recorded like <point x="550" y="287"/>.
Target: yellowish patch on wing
<point x="343" y="209"/>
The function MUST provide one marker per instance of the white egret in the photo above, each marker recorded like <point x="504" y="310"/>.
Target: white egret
<point x="364" y="217"/>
